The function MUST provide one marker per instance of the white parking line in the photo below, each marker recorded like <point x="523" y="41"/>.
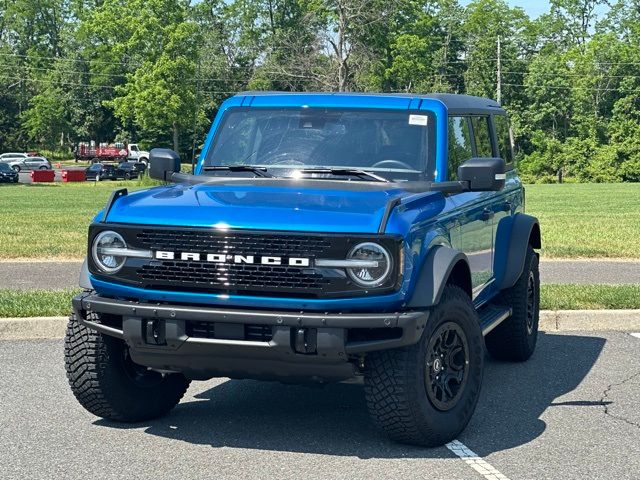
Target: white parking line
<point x="637" y="335"/>
<point x="474" y="461"/>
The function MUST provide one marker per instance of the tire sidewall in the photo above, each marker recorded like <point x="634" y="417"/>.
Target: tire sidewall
<point x="532" y="265"/>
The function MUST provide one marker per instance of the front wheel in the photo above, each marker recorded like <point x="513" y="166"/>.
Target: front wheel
<point x="425" y="394"/>
<point x="109" y="384"/>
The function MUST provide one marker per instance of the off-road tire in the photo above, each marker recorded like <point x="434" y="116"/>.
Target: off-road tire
<point x="396" y="383"/>
<point x="515" y="339"/>
<point x="95" y="365"/>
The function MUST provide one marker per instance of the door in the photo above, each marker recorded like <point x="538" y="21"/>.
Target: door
<point x="469" y="136"/>
<point x="31" y="163"/>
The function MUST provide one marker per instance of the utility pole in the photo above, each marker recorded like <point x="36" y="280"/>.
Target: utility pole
<point x="499" y="74"/>
<point x="195" y="116"/>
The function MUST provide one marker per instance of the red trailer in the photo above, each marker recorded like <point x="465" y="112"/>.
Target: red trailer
<point x="104" y="152"/>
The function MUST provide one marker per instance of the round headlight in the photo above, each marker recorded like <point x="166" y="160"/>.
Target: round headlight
<point x="370" y="276"/>
<point x="106" y="260"/>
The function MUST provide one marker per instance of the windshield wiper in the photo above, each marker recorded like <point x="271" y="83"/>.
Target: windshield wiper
<point x="259" y="171"/>
<point x="354" y="172"/>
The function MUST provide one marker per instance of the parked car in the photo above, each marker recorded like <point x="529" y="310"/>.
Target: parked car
<point x="101" y="171"/>
<point x="7" y="174"/>
<point x="12" y="156"/>
<point x="379" y="238"/>
<point x="29" y="163"/>
<point x="128" y="170"/>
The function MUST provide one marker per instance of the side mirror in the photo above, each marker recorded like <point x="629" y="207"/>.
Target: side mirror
<point x="163" y="163"/>
<point x="483" y="174"/>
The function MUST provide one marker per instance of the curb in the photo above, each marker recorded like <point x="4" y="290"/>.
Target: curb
<point x="38" y="328"/>
<point x="571" y="320"/>
<point x="32" y="328"/>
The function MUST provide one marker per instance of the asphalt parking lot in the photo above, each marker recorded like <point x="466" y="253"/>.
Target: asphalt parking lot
<point x="570" y="412"/>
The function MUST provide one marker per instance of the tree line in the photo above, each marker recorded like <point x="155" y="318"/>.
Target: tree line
<point x="155" y="71"/>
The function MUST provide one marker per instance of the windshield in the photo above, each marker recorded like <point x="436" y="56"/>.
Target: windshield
<point x="397" y="145"/>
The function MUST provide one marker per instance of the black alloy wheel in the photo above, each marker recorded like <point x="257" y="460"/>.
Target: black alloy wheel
<point x="447" y="366"/>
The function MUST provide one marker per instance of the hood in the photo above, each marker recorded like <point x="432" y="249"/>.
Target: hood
<point x="341" y="207"/>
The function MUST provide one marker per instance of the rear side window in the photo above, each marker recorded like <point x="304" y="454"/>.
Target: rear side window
<point x="482" y="136"/>
<point x="459" y="145"/>
<point x="505" y="147"/>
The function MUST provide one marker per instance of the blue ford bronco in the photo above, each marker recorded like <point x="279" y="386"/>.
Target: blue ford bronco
<point x="322" y="238"/>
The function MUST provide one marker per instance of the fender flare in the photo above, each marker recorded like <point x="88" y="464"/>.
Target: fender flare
<point x="84" y="281"/>
<point x="434" y="274"/>
<point x="513" y="236"/>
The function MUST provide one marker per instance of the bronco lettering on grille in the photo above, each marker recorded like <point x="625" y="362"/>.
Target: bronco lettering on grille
<point x="224" y="258"/>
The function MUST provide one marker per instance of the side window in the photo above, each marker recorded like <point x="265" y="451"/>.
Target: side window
<point x="505" y="148"/>
<point x="482" y="136"/>
<point x="459" y="145"/>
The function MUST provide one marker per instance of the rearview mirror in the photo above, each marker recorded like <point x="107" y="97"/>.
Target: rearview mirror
<point x="163" y="163"/>
<point x="483" y="174"/>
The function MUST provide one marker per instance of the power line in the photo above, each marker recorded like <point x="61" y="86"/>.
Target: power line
<point x="575" y="87"/>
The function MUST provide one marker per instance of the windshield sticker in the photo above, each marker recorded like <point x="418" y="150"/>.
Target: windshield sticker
<point x="418" y="120"/>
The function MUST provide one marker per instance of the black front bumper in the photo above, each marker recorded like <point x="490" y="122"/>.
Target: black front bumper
<point x="301" y="346"/>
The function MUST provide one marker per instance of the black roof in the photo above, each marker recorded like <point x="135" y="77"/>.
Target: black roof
<point x="466" y="103"/>
<point x="457" y="104"/>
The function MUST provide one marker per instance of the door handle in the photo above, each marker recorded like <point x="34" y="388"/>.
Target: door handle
<point x="487" y="214"/>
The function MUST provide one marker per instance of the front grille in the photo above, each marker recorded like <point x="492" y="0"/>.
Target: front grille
<point x="231" y="273"/>
<point x="197" y="241"/>
<point x="254" y="333"/>
<point x="231" y="276"/>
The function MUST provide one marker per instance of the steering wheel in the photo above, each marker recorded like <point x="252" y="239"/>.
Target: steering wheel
<point x="392" y="164"/>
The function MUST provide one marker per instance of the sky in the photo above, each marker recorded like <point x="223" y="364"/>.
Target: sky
<point x="534" y="8"/>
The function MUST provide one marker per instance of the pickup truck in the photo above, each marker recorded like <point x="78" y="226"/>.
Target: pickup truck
<point x="374" y="238"/>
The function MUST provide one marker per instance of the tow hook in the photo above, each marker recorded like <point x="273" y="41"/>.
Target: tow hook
<point x="305" y="340"/>
<point x="155" y="332"/>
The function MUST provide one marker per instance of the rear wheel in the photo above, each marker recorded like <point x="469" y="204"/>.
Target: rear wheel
<point x="109" y="384"/>
<point x="515" y="338"/>
<point x="42" y="168"/>
<point x="127" y="176"/>
<point x="425" y="394"/>
<point x="16" y="168"/>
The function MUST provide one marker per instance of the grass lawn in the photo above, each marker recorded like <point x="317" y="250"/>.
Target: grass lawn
<point x="587" y="220"/>
<point x="589" y="297"/>
<point x="44" y="303"/>
<point x="50" y="220"/>
<point x="578" y="220"/>
<point x="35" y="303"/>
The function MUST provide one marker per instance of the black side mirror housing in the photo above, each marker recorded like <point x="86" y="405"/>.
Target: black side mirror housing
<point x="163" y="162"/>
<point x="483" y="174"/>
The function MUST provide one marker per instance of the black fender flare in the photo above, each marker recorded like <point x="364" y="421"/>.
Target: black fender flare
<point x="84" y="281"/>
<point x="437" y="267"/>
<point x="513" y="236"/>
